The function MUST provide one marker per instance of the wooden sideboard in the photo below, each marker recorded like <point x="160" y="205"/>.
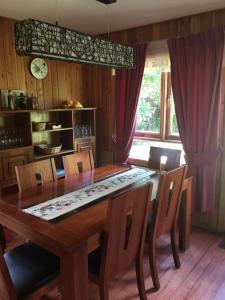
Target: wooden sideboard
<point x="18" y="137"/>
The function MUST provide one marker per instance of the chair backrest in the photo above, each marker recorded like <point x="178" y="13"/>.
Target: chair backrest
<point x="125" y="231"/>
<point x="78" y="162"/>
<point x="167" y="202"/>
<point x="32" y="174"/>
<point x="172" y="162"/>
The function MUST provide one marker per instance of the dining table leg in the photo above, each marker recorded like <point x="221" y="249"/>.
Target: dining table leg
<point x="74" y="274"/>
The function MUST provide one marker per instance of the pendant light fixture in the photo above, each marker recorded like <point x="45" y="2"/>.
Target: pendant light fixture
<point x="107" y="1"/>
<point x="36" y="38"/>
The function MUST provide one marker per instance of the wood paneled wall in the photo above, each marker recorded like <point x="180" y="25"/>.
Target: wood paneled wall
<point x="172" y="28"/>
<point x="101" y="93"/>
<point x="63" y="82"/>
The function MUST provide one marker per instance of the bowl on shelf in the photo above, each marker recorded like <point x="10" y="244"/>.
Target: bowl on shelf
<point x="39" y="126"/>
<point x="47" y="149"/>
<point x="54" y="125"/>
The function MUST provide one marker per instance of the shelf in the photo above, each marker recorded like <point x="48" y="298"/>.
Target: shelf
<point x="53" y="130"/>
<point x="22" y="119"/>
<point x="72" y="109"/>
<point x="15" y="148"/>
<point x="15" y="111"/>
<point x="42" y="156"/>
<point x="85" y="137"/>
<point x="43" y="110"/>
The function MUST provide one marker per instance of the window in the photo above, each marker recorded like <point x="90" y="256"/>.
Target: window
<point x="156" y="118"/>
<point x="149" y="106"/>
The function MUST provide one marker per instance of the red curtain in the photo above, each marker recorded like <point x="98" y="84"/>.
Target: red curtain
<point x="196" y="63"/>
<point x="128" y="85"/>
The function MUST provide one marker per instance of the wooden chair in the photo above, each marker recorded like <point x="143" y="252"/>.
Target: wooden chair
<point x="173" y="161"/>
<point x="123" y="240"/>
<point x="78" y="162"/>
<point x="34" y="173"/>
<point x="173" y="158"/>
<point x="166" y="210"/>
<point x="27" y="272"/>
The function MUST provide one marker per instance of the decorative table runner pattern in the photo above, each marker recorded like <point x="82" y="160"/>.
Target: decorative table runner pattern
<point x="56" y="207"/>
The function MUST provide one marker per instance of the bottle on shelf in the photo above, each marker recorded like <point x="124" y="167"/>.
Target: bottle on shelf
<point x="32" y="102"/>
<point x="10" y="100"/>
<point x="22" y="101"/>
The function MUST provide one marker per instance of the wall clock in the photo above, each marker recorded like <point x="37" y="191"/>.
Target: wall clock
<point x="39" y="68"/>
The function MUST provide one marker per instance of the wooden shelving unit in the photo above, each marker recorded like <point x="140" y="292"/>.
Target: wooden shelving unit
<point x="21" y="121"/>
<point x="53" y="130"/>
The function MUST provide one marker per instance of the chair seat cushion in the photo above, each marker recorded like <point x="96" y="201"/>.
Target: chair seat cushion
<point x="60" y="172"/>
<point x="31" y="267"/>
<point x="94" y="261"/>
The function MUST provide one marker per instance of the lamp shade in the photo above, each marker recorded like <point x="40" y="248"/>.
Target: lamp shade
<point x="37" y="38"/>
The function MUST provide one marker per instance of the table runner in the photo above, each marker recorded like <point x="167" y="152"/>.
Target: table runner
<point x="59" y="206"/>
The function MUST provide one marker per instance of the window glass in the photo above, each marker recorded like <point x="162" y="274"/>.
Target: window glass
<point x="140" y="148"/>
<point x="148" y="111"/>
<point x="173" y="119"/>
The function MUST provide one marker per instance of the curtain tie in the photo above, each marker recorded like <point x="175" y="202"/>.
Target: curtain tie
<point x="204" y="157"/>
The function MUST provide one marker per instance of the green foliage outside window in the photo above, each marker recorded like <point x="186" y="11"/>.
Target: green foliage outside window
<point x="174" y="125"/>
<point x="148" y="113"/>
<point x="173" y="121"/>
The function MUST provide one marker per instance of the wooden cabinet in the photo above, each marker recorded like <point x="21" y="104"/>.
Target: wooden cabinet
<point x="85" y="140"/>
<point x="84" y="144"/>
<point x="11" y="158"/>
<point x="18" y="137"/>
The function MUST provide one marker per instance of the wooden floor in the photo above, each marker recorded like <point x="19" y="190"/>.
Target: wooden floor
<point x="201" y="276"/>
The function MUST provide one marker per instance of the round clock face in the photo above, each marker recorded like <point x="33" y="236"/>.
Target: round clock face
<point x="39" y="68"/>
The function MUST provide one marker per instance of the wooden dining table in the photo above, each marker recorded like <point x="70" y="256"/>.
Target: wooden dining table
<point x="71" y="237"/>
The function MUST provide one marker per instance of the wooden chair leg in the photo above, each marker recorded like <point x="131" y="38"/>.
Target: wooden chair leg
<point x="185" y="215"/>
<point x="104" y="290"/>
<point x="153" y="267"/>
<point x="174" y="248"/>
<point x="140" y="279"/>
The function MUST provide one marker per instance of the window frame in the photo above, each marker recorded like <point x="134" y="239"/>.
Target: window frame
<point x="165" y="115"/>
<point x="169" y="135"/>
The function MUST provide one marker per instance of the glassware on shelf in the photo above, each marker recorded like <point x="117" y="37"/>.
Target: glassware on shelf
<point x="81" y="131"/>
<point x="76" y="131"/>
<point x="89" y="130"/>
<point x="10" y="138"/>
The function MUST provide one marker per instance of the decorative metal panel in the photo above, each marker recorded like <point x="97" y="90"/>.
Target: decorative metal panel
<point x="37" y="38"/>
<point x="107" y="1"/>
